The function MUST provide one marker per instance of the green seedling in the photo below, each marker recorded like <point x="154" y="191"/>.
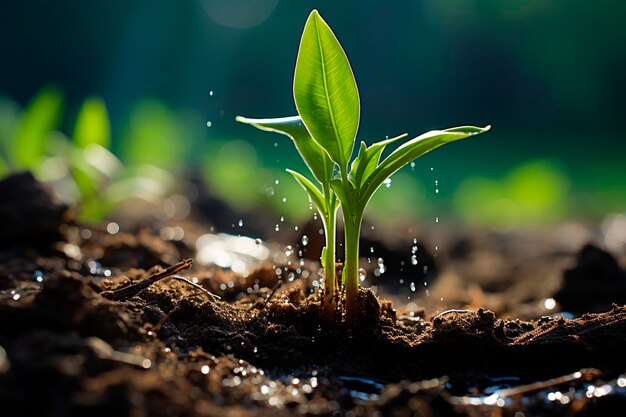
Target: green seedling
<point x="327" y="100"/>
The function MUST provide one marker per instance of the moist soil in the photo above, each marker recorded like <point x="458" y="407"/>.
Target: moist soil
<point x="530" y="323"/>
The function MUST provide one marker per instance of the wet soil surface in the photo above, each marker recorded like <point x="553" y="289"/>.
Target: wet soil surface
<point x="503" y="328"/>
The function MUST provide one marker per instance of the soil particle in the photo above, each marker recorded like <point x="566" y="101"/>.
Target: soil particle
<point x="593" y="284"/>
<point x="29" y="213"/>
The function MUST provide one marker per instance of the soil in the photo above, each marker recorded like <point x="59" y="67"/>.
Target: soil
<point x="519" y="324"/>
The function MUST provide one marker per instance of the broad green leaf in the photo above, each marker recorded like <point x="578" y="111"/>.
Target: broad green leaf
<point x="368" y="158"/>
<point x="325" y="90"/>
<point x="316" y="196"/>
<point x="39" y="119"/>
<point x="92" y="124"/>
<point x="314" y="156"/>
<point x="413" y="149"/>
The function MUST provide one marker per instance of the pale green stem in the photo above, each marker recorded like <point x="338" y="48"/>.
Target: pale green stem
<point x="330" y="227"/>
<point x="352" y="229"/>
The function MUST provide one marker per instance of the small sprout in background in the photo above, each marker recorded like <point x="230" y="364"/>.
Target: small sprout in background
<point x="82" y="170"/>
<point x="327" y="100"/>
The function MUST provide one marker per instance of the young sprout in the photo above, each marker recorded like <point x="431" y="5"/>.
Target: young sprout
<point x="327" y="100"/>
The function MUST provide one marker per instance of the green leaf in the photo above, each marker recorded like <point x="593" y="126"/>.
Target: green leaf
<point x="346" y="194"/>
<point x="313" y="155"/>
<point x="92" y="124"/>
<point x="325" y="90"/>
<point x="413" y="149"/>
<point x="316" y="196"/>
<point x="39" y="119"/>
<point x="367" y="160"/>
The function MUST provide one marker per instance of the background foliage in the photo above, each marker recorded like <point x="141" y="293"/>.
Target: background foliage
<point x="548" y="75"/>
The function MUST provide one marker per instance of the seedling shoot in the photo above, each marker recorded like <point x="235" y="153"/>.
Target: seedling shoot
<point x="324" y="132"/>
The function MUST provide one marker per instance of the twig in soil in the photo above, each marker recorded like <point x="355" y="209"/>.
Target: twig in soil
<point x="277" y="286"/>
<point x="452" y="311"/>
<point x="200" y="288"/>
<point x="587" y="374"/>
<point x="134" y="289"/>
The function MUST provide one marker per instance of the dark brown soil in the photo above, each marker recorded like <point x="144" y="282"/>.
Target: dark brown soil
<point x="171" y="350"/>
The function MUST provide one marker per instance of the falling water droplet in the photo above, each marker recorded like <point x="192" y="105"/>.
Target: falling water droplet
<point x="387" y="182"/>
<point x="362" y="274"/>
<point x="211" y="92"/>
<point x="414" y="260"/>
<point x="412" y="287"/>
<point x="240" y="223"/>
<point x="258" y="242"/>
<point x="209" y="124"/>
<point x="277" y="227"/>
<point x="305" y="240"/>
<point x="381" y="265"/>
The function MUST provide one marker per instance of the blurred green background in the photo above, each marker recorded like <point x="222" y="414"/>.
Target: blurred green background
<point x="160" y="82"/>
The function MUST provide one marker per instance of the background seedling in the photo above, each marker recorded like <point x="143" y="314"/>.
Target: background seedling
<point x="327" y="100"/>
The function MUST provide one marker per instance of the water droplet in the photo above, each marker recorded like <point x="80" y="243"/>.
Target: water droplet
<point x="414" y="249"/>
<point x="288" y="250"/>
<point x="381" y="265"/>
<point x="412" y="166"/>
<point x="436" y="219"/>
<point x="362" y="274"/>
<point x="16" y="297"/>
<point x="282" y="219"/>
<point x="296" y="228"/>
<point x="549" y="303"/>
<point x="204" y="369"/>
<point x="387" y="182"/>
<point x="414" y="260"/>
<point x="277" y="227"/>
<point x="284" y="199"/>
<point x="258" y="242"/>
<point x="321" y="231"/>
<point x="305" y="240"/>
<point x="240" y="223"/>
<point x="276" y="144"/>
<point x="211" y="92"/>
<point x="113" y="228"/>
<point x="371" y="249"/>
<point x="277" y="182"/>
<point x="412" y="287"/>
<point x="209" y="124"/>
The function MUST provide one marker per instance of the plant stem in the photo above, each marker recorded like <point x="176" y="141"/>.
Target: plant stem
<point x="352" y="229"/>
<point x="330" y="224"/>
